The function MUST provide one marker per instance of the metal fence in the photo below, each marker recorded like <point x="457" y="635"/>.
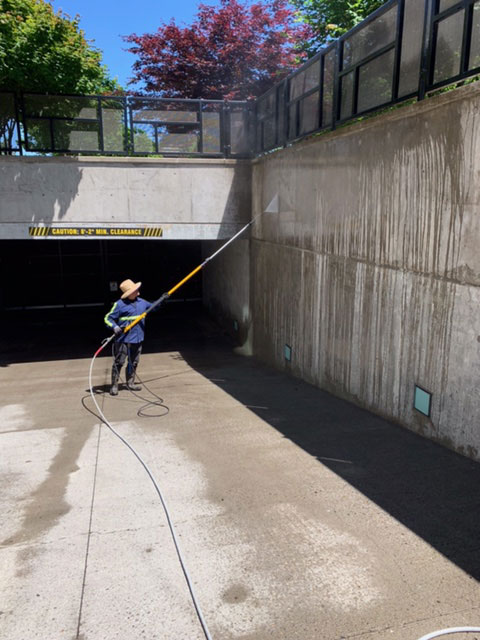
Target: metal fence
<point x="109" y="125"/>
<point x="401" y="51"/>
<point x="404" y="50"/>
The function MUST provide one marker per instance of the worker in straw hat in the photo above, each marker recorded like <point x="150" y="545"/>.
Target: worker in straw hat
<point x="127" y="345"/>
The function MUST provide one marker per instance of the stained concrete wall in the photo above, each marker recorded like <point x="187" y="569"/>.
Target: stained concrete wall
<point x="187" y="198"/>
<point x="226" y="289"/>
<point x="371" y="271"/>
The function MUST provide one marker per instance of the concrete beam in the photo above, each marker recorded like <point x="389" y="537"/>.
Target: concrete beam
<point x="187" y="198"/>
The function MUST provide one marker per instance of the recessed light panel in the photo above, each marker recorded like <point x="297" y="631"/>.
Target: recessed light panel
<point x="423" y="401"/>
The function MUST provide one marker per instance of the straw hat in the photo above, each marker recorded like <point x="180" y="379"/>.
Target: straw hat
<point x="128" y="287"/>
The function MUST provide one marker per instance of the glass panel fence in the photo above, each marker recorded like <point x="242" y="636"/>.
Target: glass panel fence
<point x="9" y="132"/>
<point x="211" y="132"/>
<point x="309" y="113"/>
<point x="411" y="47"/>
<point x="144" y="138"/>
<point x="114" y="127"/>
<point x="346" y="110"/>
<point x="312" y="76"/>
<point x="474" y="61"/>
<point x="328" y="86"/>
<point x="240" y="132"/>
<point x="177" y="139"/>
<point x="448" y="47"/>
<point x="375" y="82"/>
<point x="42" y="106"/>
<point x="70" y="135"/>
<point x="371" y="38"/>
<point x="38" y="135"/>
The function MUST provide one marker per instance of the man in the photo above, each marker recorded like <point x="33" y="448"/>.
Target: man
<point x="129" y="344"/>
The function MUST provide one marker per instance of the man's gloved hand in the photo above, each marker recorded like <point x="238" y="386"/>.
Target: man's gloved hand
<point x="117" y="331"/>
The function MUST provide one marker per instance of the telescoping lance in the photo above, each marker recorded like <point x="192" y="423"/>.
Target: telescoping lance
<point x="272" y="208"/>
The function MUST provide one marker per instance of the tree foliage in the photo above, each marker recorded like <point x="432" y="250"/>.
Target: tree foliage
<point x="231" y="51"/>
<point x="329" y="19"/>
<point x="44" y="51"/>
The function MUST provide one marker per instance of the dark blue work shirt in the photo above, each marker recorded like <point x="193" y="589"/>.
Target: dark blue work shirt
<point x="123" y="313"/>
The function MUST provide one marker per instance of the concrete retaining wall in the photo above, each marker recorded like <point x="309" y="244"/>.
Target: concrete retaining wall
<point x="189" y="199"/>
<point x="371" y="271"/>
<point x="226" y="289"/>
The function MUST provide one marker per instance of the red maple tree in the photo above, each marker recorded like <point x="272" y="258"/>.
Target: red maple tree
<point x="233" y="51"/>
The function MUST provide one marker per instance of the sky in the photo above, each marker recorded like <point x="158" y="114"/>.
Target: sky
<point x="105" y="21"/>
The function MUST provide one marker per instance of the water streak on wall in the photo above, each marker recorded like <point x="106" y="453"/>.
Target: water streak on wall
<point x="371" y="272"/>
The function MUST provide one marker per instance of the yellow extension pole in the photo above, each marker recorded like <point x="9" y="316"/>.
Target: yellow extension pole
<point x="177" y="286"/>
<point x="169" y="293"/>
<point x="273" y="207"/>
<point x="192" y="273"/>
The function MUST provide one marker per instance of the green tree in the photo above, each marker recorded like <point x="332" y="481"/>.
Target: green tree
<point x="45" y="52"/>
<point x="329" y="19"/>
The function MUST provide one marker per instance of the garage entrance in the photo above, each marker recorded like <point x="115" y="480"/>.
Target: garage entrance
<point x="64" y="274"/>
<point x="55" y="293"/>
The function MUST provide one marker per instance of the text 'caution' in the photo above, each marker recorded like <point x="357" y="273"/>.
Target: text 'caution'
<point x="96" y="232"/>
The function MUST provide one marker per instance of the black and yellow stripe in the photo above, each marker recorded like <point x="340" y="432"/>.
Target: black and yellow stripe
<point x="38" y="231"/>
<point x="153" y="232"/>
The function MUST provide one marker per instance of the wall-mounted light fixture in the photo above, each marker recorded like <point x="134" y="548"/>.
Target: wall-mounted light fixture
<point x="288" y="353"/>
<point x="422" y="401"/>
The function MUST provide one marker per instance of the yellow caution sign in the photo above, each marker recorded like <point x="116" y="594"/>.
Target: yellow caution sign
<point x="95" y="232"/>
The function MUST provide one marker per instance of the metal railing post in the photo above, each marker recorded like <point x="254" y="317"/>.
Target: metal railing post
<point x="17" y="123"/>
<point x="200" y="124"/>
<point x="285" y="113"/>
<point x="126" y="133"/>
<point x="336" y="102"/>
<point x="467" y="35"/>
<point x="100" y="125"/>
<point x="398" y="48"/>
<point x="426" y="55"/>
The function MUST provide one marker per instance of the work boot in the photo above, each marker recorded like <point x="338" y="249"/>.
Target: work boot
<point x="131" y="384"/>
<point x="114" y="387"/>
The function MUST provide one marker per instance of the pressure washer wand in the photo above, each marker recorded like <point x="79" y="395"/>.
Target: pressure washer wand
<point x="166" y="295"/>
<point x="272" y="208"/>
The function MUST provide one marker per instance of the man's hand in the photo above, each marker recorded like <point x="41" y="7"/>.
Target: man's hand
<point x="117" y="331"/>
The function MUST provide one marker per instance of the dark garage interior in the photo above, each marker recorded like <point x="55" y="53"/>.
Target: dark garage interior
<point x="55" y="293"/>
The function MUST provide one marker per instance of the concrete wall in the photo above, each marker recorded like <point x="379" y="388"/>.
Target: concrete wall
<point x="226" y="289"/>
<point x="371" y="271"/>
<point x="187" y="198"/>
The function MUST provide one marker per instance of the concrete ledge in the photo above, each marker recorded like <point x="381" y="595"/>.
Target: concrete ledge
<point x="122" y="160"/>
<point x="118" y="191"/>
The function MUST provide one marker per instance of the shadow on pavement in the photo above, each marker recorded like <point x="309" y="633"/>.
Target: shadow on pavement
<point x="428" y="488"/>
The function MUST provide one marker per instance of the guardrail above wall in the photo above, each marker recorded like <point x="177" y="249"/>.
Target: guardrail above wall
<point x="403" y="50"/>
<point x="110" y="125"/>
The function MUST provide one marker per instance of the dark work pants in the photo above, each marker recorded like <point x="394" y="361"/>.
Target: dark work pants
<point x="122" y="351"/>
